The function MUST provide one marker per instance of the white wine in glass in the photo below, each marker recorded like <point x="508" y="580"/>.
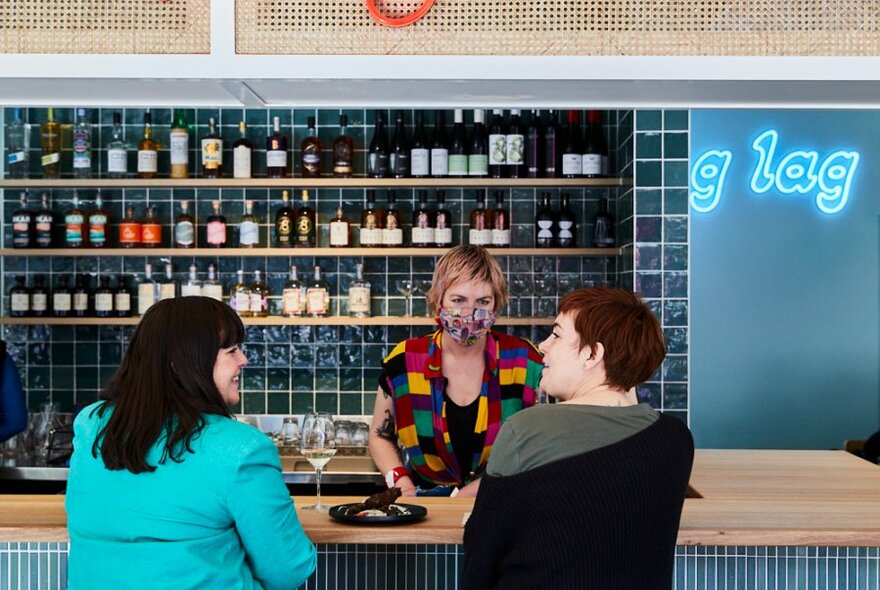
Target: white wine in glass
<point x="318" y="445"/>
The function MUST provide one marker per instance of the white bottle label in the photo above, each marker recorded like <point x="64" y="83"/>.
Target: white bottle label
<point x="39" y="302"/>
<point x="241" y="162"/>
<point x="147" y="161"/>
<point x="178" y="141"/>
<point x="371" y="236"/>
<point x="190" y="290"/>
<point x="20" y="302"/>
<point x="146" y="297"/>
<point x="80" y="301"/>
<point x="545" y="229"/>
<point x="338" y="233"/>
<point x="117" y="161"/>
<point x="480" y="237"/>
<point x="443" y="237"/>
<point x="241" y="302"/>
<point x="571" y="164"/>
<point x="122" y="301"/>
<point x="500" y="237"/>
<point x="167" y="291"/>
<point x="591" y="164"/>
<point x="61" y="301"/>
<point x="104" y="302"/>
<point x="276" y="159"/>
<point x="565" y="232"/>
<point x="184" y="233"/>
<point x="292" y="302"/>
<point x="439" y="162"/>
<point x="256" y="303"/>
<point x="359" y="300"/>
<point x="212" y="153"/>
<point x="419" y="162"/>
<point x="213" y="291"/>
<point x="422" y="235"/>
<point x="392" y="237"/>
<point x="515" y="149"/>
<point x="248" y="233"/>
<point x="497" y="149"/>
<point x="15" y="157"/>
<point x="317" y="300"/>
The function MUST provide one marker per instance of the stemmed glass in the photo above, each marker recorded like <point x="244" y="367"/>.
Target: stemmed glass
<point x="318" y="446"/>
<point x="424" y="287"/>
<point x="545" y="285"/>
<point x="405" y="287"/>
<point x="520" y="287"/>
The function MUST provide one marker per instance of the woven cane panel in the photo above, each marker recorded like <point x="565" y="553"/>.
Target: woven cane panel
<point x="565" y="27"/>
<point x="105" y="26"/>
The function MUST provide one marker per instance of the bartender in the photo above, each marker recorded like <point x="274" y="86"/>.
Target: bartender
<point x="442" y="397"/>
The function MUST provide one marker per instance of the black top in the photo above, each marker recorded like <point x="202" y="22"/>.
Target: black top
<point x="460" y="421"/>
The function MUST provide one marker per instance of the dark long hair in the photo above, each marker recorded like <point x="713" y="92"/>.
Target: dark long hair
<point x="166" y="382"/>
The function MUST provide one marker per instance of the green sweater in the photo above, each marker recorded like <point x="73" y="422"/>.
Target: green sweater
<point x="550" y="432"/>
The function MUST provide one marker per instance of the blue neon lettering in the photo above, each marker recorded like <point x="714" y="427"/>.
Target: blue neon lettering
<point x="797" y="173"/>
<point x="707" y="179"/>
<point x="835" y="178"/>
<point x="762" y="179"/>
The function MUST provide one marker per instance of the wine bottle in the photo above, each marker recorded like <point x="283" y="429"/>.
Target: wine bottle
<point x="276" y="151"/>
<point x="595" y="158"/>
<point x="566" y="223"/>
<point x="359" y="294"/>
<point x="117" y="150"/>
<point x="572" y="155"/>
<point x="442" y="222"/>
<point x="293" y="297"/>
<point x="439" y="146"/>
<point x="480" y="230"/>
<point x="419" y="154"/>
<point x="215" y="229"/>
<point x="148" y="150"/>
<point x="377" y="158"/>
<point x="130" y="230"/>
<point x="151" y="230"/>
<point x="603" y="226"/>
<point x="545" y="224"/>
<point x="458" y="158"/>
<point x="370" y="234"/>
<point x="516" y="163"/>
<point x="398" y="156"/>
<point x="305" y="224"/>
<point x="497" y="146"/>
<point x="534" y="156"/>
<point x="178" y="141"/>
<point x="552" y="166"/>
<point x="500" y="222"/>
<point x="82" y="145"/>
<point x="422" y="235"/>
<point x="311" y="150"/>
<point x="23" y="224"/>
<point x="317" y="296"/>
<point x="248" y="227"/>
<point x="98" y="221"/>
<point x="242" y="154"/>
<point x="343" y="151"/>
<point x="284" y="222"/>
<point x="212" y="152"/>
<point x="392" y="223"/>
<point x="478" y="155"/>
<point x="340" y="230"/>
<point x="18" y="146"/>
<point x="184" y="228"/>
<point x="50" y="146"/>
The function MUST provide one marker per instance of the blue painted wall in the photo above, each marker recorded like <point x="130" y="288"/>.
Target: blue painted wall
<point x="784" y="298"/>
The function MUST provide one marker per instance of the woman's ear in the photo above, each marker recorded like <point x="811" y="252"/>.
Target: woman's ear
<point x="593" y="356"/>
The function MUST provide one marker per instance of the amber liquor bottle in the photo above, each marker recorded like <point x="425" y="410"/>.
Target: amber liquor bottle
<point x="343" y="151"/>
<point x="184" y="228"/>
<point x="276" y="151"/>
<point x="305" y="229"/>
<point x="212" y="152"/>
<point x="310" y="152"/>
<point x="148" y="150"/>
<point x="284" y="222"/>
<point x="371" y="223"/>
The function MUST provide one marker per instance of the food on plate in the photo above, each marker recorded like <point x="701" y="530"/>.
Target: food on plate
<point x="379" y="504"/>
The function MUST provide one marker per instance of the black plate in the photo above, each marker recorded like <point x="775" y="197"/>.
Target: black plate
<point x="340" y="513"/>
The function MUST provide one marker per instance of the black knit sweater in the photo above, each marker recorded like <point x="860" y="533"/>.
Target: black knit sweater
<point x="602" y="520"/>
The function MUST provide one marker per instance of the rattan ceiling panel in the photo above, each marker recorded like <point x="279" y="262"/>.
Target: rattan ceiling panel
<point x="105" y="26"/>
<point x="565" y="27"/>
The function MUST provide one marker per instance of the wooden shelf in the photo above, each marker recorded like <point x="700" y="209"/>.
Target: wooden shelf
<point x="273" y="321"/>
<point x="298" y="252"/>
<point x="298" y="182"/>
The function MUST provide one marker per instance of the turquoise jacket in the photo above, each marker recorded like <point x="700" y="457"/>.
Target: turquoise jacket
<point x="222" y="518"/>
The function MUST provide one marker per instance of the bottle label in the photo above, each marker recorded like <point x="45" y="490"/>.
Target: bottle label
<point x="566" y="233"/>
<point x="241" y="162"/>
<point x="98" y="229"/>
<point x="311" y="159"/>
<point x="130" y="233"/>
<point x="73" y="231"/>
<point x="283" y="229"/>
<point x="241" y="302"/>
<point x="122" y="301"/>
<point x="377" y="165"/>
<point x="103" y="302"/>
<point x="61" y="301"/>
<point x="497" y="149"/>
<point x="304" y="230"/>
<point x="216" y="233"/>
<point x="276" y="159"/>
<point x="572" y="164"/>
<point x="16" y="157"/>
<point x="439" y="162"/>
<point x="292" y="302"/>
<point x="591" y="164"/>
<point x="80" y="301"/>
<point x="117" y="161"/>
<point x="213" y="291"/>
<point x="359" y="300"/>
<point x="49" y="159"/>
<point x="458" y="165"/>
<point x="167" y="291"/>
<point x="258" y="303"/>
<point x="151" y="233"/>
<point x="399" y="163"/>
<point x="392" y="237"/>
<point x="480" y="237"/>
<point x="500" y="237"/>
<point x="420" y="160"/>
<point x="43" y="228"/>
<point x="338" y="233"/>
<point x="21" y="225"/>
<point x="371" y="236"/>
<point x="39" y="302"/>
<point x="20" y="302"/>
<point x="212" y="153"/>
<point x="148" y="161"/>
<point x="190" y="290"/>
<point x="545" y="230"/>
<point x="82" y="149"/>
<point x="178" y="141"/>
<point x="248" y="233"/>
<point x="478" y="165"/>
<point x="515" y="149"/>
<point x="443" y="236"/>
<point x="184" y="234"/>
<point x="317" y="300"/>
<point x="422" y="235"/>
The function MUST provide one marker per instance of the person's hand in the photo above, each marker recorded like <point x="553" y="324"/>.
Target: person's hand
<point x="406" y="485"/>
<point x="470" y="490"/>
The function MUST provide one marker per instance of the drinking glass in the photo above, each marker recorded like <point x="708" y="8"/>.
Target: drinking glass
<point x="405" y="288"/>
<point x="290" y="433"/>
<point x="520" y="287"/>
<point x="318" y="446"/>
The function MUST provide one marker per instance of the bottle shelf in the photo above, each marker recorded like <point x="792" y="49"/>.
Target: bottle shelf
<point x="300" y="182"/>
<point x="298" y="252"/>
<point x="274" y="321"/>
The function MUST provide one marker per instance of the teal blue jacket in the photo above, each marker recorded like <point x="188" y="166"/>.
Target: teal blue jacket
<point x="222" y="518"/>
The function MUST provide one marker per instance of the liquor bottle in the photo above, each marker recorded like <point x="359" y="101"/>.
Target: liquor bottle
<point x="284" y="222"/>
<point x="148" y="150"/>
<point x="442" y="222"/>
<point x="566" y="224"/>
<point x="398" y="156"/>
<point x="500" y="222"/>
<point x="419" y="153"/>
<point x="310" y="152"/>
<point x="191" y="287"/>
<point x="595" y="157"/>
<point x="74" y="225"/>
<point x="304" y="224"/>
<point x="248" y="227"/>
<point x="293" y="297"/>
<point x="422" y="235"/>
<point x="572" y="156"/>
<point x="377" y="158"/>
<point x="317" y="296"/>
<point x="168" y="288"/>
<point x="371" y="223"/>
<point x="603" y="226"/>
<point x="18" y="145"/>
<point x="545" y="224"/>
<point x="552" y="166"/>
<point x="81" y="296"/>
<point x="240" y="296"/>
<point x="98" y="221"/>
<point x="130" y="230"/>
<point x="497" y="146"/>
<point x="122" y="297"/>
<point x="259" y="300"/>
<point x="212" y="152"/>
<point x="62" y="298"/>
<point x="19" y="298"/>
<point x="478" y="156"/>
<point x="458" y="160"/>
<point x="184" y="227"/>
<point x="480" y="229"/>
<point x="117" y="151"/>
<point x="439" y="147"/>
<point x="23" y="224"/>
<point x="178" y="141"/>
<point x="103" y="298"/>
<point x="50" y="146"/>
<point x="242" y="154"/>
<point x="148" y="290"/>
<point x="359" y="294"/>
<point x="516" y="162"/>
<point x="39" y="297"/>
<point x="44" y="222"/>
<point x="343" y="151"/>
<point x="211" y="287"/>
<point x="392" y="223"/>
<point x="533" y="156"/>
<point x="276" y="151"/>
<point x="151" y="230"/>
<point x="82" y="145"/>
<point x="215" y="229"/>
<point x="340" y="230"/>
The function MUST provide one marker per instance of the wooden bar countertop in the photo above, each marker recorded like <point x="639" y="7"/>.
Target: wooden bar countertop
<point x="808" y="498"/>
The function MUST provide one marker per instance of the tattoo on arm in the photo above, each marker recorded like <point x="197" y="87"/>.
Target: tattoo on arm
<point x="387" y="430"/>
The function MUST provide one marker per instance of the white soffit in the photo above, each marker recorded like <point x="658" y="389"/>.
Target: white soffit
<point x="134" y="92"/>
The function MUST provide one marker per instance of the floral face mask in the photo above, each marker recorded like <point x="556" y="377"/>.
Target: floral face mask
<point x="467" y="328"/>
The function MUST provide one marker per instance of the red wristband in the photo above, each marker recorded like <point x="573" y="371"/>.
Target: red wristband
<point x="392" y="476"/>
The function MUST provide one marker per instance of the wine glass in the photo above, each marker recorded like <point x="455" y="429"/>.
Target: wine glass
<point x="520" y="287"/>
<point x="405" y="288"/>
<point x="424" y="287"/>
<point x="290" y="433"/>
<point x="318" y="445"/>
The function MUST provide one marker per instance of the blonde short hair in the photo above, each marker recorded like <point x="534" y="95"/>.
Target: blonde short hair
<point x="467" y="263"/>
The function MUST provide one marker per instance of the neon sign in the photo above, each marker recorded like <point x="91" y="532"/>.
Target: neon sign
<point x="797" y="172"/>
